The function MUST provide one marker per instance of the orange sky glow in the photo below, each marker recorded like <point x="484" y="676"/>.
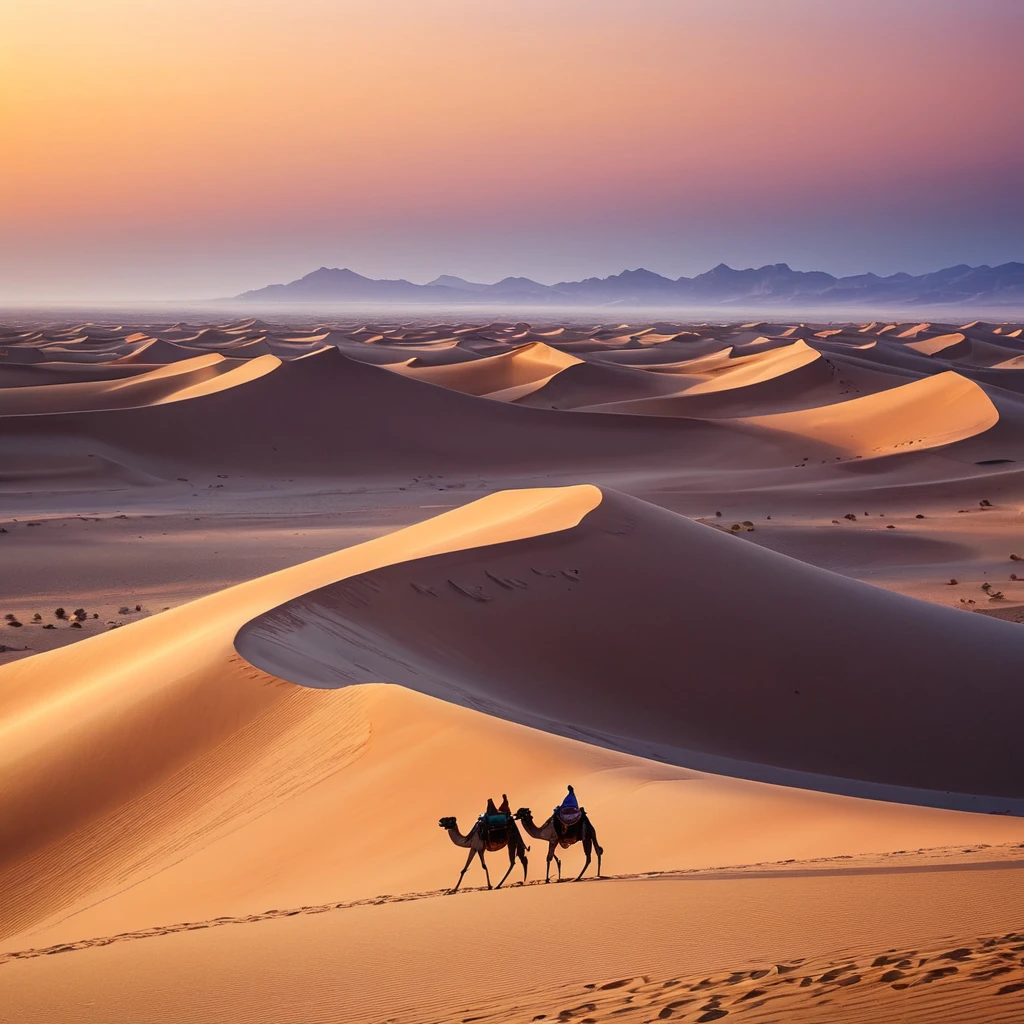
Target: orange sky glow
<point x="231" y="143"/>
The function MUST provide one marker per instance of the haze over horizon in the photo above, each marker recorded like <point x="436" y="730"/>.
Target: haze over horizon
<point x="225" y="148"/>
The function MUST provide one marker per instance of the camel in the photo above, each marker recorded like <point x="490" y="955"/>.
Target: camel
<point x="560" y="834"/>
<point x="490" y="837"/>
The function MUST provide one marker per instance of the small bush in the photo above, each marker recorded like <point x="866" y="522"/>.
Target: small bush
<point x="60" y="613"/>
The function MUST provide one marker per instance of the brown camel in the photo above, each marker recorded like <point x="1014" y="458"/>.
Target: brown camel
<point x="487" y="834"/>
<point x="557" y="833"/>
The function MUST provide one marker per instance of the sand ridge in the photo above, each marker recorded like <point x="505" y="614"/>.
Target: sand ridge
<point x="768" y="398"/>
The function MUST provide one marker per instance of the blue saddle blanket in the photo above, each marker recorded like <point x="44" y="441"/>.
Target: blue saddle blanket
<point x="569" y="815"/>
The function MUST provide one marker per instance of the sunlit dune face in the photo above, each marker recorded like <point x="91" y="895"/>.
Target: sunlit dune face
<point x="190" y="120"/>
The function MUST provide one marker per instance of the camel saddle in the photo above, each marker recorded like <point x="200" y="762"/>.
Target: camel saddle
<point x="568" y="823"/>
<point x="494" y="829"/>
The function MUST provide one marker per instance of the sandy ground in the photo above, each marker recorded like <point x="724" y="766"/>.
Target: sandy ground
<point x="744" y="647"/>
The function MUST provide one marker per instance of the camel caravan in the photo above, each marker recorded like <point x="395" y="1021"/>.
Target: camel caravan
<point x="496" y="829"/>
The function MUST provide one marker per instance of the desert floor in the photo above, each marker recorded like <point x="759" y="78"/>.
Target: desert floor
<point x="749" y="588"/>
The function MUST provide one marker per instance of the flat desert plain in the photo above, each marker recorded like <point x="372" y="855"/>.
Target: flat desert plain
<point x="282" y="595"/>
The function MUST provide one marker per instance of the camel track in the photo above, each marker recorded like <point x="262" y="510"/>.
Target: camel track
<point x="979" y="857"/>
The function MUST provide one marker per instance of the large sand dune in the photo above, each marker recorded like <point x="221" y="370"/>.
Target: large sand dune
<point x="724" y="626"/>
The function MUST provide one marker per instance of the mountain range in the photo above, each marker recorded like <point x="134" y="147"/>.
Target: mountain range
<point x="773" y="285"/>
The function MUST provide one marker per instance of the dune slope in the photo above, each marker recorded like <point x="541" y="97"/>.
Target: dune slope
<point x="154" y="775"/>
<point x="546" y="631"/>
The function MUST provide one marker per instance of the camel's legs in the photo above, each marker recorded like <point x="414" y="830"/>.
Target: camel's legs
<point x="552" y="857"/>
<point x="598" y="848"/>
<point x="469" y="860"/>
<point x="586" y="863"/>
<point x="522" y="857"/>
<point x="487" y="874"/>
<point x="511" y="865"/>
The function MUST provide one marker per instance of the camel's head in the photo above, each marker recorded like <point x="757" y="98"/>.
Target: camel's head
<point x="524" y="814"/>
<point x="447" y="823"/>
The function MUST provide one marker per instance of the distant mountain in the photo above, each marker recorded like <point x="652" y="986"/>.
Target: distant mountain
<point x="774" y="285"/>
<point x="448" y="281"/>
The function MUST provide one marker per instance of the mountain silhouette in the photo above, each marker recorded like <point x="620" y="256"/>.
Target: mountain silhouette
<point x="774" y="284"/>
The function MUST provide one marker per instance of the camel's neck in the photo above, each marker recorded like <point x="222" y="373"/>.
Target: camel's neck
<point x="532" y="829"/>
<point x="457" y="837"/>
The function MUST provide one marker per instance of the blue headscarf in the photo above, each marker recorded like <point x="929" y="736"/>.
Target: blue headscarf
<point x="570" y="799"/>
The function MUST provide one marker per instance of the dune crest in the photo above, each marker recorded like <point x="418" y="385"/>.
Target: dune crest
<point x="924" y="414"/>
<point x="510" y="630"/>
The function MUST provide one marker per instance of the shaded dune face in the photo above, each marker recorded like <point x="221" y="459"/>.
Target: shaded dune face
<point x="149" y="403"/>
<point x="328" y="415"/>
<point x="641" y="630"/>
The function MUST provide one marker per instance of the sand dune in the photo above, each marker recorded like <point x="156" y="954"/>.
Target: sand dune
<point x="220" y="787"/>
<point x="188" y="378"/>
<point x="463" y="619"/>
<point x="925" y="414"/>
<point x="323" y="402"/>
<point x="533" y="364"/>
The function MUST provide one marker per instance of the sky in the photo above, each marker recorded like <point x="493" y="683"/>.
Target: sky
<point x="185" y="149"/>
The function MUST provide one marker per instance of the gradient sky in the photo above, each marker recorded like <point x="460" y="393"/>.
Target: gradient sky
<point x="194" y="148"/>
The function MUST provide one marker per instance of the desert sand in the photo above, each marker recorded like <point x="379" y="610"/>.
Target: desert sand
<point x="750" y="588"/>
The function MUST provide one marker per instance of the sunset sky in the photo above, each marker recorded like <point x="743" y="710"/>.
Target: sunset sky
<point x="194" y="148"/>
